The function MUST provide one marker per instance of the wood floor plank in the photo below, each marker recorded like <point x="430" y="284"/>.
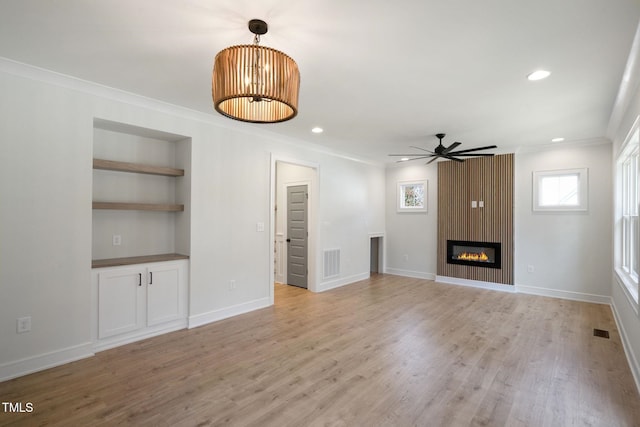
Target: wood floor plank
<point x="387" y="351"/>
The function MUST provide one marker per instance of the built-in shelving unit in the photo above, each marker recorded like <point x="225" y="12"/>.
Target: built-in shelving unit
<point x="140" y="187"/>
<point x="140" y="232"/>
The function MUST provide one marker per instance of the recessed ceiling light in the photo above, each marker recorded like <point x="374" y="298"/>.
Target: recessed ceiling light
<point x="557" y="140"/>
<point x="404" y="159"/>
<point x="317" y="130"/>
<point x="539" y="75"/>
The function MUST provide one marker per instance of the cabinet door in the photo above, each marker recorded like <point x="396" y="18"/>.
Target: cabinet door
<point x="120" y="301"/>
<point x="164" y="294"/>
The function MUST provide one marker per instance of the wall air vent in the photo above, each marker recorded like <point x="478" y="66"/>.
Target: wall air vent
<point x="331" y="263"/>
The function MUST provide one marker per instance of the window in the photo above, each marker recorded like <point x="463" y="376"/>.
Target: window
<point x="412" y="196"/>
<point x="562" y="190"/>
<point x="628" y="234"/>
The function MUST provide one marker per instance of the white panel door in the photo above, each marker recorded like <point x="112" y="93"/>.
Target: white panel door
<point x="120" y="301"/>
<point x="164" y="294"/>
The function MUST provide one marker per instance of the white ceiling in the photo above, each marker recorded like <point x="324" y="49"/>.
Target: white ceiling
<point x="377" y="75"/>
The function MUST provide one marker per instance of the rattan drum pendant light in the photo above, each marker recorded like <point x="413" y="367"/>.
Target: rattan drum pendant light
<point x="253" y="83"/>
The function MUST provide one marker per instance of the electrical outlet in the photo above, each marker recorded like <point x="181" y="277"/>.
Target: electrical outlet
<point x="405" y="257"/>
<point x="530" y="269"/>
<point x="260" y="227"/>
<point x="23" y="324"/>
<point x="232" y="284"/>
<point x="117" y="240"/>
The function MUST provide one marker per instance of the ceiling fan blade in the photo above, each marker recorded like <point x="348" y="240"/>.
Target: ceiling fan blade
<point x="407" y="155"/>
<point x="421" y="149"/>
<point x="432" y="160"/>
<point x="453" y="158"/>
<point x="473" y="154"/>
<point x="415" y="158"/>
<point x="469" y="150"/>
<point x="451" y="147"/>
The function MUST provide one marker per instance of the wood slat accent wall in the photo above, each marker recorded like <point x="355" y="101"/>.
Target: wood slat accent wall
<point x="488" y="179"/>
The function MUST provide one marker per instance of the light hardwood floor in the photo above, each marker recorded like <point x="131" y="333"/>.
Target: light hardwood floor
<point x="388" y="351"/>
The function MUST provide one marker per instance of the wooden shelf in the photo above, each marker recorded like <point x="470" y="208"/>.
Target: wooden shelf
<point x="114" y="262"/>
<point x="112" y="165"/>
<point x="138" y="206"/>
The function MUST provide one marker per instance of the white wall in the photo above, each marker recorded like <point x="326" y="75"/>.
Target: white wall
<point x="411" y="241"/>
<point x="351" y="208"/>
<point x="46" y="129"/>
<point x="570" y="252"/>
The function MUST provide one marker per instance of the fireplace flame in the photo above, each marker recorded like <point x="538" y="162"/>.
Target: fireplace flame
<point x="473" y="256"/>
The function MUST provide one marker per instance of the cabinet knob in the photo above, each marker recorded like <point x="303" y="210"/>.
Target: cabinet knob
<point x="151" y="277"/>
<point x="139" y="279"/>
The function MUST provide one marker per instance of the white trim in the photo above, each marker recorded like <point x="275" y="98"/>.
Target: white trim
<point x="476" y="284"/>
<point x="224" y="313"/>
<point x="621" y="280"/>
<point x="409" y="273"/>
<point x="582" y="190"/>
<point x="400" y="208"/>
<point x="559" y="146"/>
<point x="570" y="295"/>
<point x="140" y="334"/>
<point x="626" y="345"/>
<point x="314" y="253"/>
<point x="628" y="87"/>
<point x="342" y="281"/>
<point x="29" y="365"/>
<point x="43" y="75"/>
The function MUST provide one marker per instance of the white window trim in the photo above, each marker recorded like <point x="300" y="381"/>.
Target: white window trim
<point x="583" y="190"/>
<point x="628" y="283"/>
<point x="403" y="185"/>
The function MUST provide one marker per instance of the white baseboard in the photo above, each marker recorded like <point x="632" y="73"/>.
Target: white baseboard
<point x="224" y="313"/>
<point x="342" y="281"/>
<point x="628" y="350"/>
<point x="44" y="361"/>
<point x="142" y="334"/>
<point x="409" y="273"/>
<point x="476" y="284"/>
<point x="555" y="293"/>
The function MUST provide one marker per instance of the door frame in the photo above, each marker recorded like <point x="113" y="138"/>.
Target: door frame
<point x="313" y="243"/>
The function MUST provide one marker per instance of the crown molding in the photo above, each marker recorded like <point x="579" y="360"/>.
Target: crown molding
<point x="628" y="87"/>
<point x="20" y="69"/>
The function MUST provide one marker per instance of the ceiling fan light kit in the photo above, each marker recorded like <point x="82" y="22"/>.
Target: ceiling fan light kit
<point x="445" y="152"/>
<point x="254" y="83"/>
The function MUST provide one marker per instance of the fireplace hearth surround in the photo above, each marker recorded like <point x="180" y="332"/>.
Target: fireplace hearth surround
<point x="478" y="254"/>
<point x="475" y="203"/>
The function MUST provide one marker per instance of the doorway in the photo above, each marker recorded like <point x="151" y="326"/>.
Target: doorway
<point x="292" y="175"/>
<point x="376" y="262"/>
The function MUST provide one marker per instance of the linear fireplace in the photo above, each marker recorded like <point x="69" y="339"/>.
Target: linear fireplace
<point x="478" y="254"/>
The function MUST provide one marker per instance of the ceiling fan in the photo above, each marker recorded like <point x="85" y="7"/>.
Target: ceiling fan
<point x="446" y="152"/>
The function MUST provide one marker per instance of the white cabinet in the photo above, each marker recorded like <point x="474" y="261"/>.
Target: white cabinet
<point x="120" y="301"/>
<point x="164" y="294"/>
<point x="139" y="301"/>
